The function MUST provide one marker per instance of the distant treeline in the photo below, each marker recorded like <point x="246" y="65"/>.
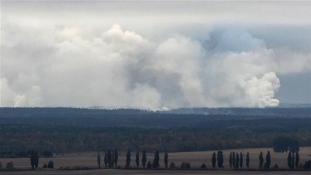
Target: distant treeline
<point x="51" y="112"/>
<point x="269" y="111"/>
<point x="62" y="130"/>
<point x="139" y="118"/>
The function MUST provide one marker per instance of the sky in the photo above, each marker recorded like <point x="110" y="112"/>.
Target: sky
<point x="155" y="55"/>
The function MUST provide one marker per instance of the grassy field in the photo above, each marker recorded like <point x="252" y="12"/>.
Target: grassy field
<point x="194" y="158"/>
<point x="155" y="172"/>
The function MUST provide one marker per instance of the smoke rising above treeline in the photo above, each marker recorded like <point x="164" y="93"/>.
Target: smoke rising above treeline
<point x="58" y="63"/>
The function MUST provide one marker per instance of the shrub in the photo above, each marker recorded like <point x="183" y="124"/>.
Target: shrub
<point x="45" y="165"/>
<point x="300" y="166"/>
<point x="266" y="166"/>
<point x="307" y="165"/>
<point x="149" y="165"/>
<point x="10" y="165"/>
<point x="172" y="165"/>
<point x="203" y="166"/>
<point x="276" y="167"/>
<point x="51" y="164"/>
<point x="185" y="165"/>
<point x="188" y="165"/>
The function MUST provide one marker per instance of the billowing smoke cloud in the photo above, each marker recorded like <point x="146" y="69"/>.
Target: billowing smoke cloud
<point x="66" y="65"/>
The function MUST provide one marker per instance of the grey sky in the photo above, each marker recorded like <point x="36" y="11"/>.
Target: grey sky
<point x="155" y="54"/>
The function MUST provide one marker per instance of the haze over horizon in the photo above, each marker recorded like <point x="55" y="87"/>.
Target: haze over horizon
<point x="155" y="55"/>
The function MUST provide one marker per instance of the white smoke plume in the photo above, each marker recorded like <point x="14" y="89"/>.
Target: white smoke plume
<point x="62" y="64"/>
<point x="122" y="69"/>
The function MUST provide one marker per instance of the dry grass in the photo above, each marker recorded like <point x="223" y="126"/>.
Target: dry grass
<point x="194" y="158"/>
<point x="197" y="158"/>
<point x="155" y="172"/>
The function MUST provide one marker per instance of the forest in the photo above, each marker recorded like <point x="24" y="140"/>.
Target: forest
<point x="65" y="130"/>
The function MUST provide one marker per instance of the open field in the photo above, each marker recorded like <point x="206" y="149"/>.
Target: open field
<point x="194" y="158"/>
<point x="155" y="172"/>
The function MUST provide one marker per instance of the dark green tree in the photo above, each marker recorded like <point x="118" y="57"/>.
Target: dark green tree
<point x="188" y="165"/>
<point x="284" y="144"/>
<point x="172" y="165"/>
<point x="247" y="160"/>
<point x="149" y="165"/>
<point x="297" y="160"/>
<point x="116" y="156"/>
<point x="155" y="163"/>
<point x="10" y="165"/>
<point x="98" y="160"/>
<point x="166" y="159"/>
<point x="230" y="159"/>
<point x="34" y="159"/>
<point x="233" y="159"/>
<point x="220" y="158"/>
<point x="144" y="159"/>
<point x="289" y="160"/>
<point x="128" y="159"/>
<point x="51" y="164"/>
<point x="214" y="160"/>
<point x="106" y="159"/>
<point x="110" y="159"/>
<point x="307" y="165"/>
<point x="241" y="160"/>
<point x="137" y="159"/>
<point x="293" y="160"/>
<point x="237" y="161"/>
<point x="268" y="160"/>
<point x="203" y="166"/>
<point x="260" y="160"/>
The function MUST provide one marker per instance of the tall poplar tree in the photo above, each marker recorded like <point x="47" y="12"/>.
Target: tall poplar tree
<point x="98" y="160"/>
<point x="233" y="159"/>
<point x="247" y="160"/>
<point x="128" y="159"/>
<point x="241" y="160"/>
<point x="268" y="160"/>
<point x="166" y="159"/>
<point x="116" y="157"/>
<point x="237" y="161"/>
<point x="106" y="159"/>
<point x="137" y="159"/>
<point x="289" y="160"/>
<point x="297" y="160"/>
<point x="220" y="158"/>
<point x="260" y="159"/>
<point x="156" y="159"/>
<point x="110" y="159"/>
<point x="230" y="159"/>
<point x="214" y="160"/>
<point x="144" y="159"/>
